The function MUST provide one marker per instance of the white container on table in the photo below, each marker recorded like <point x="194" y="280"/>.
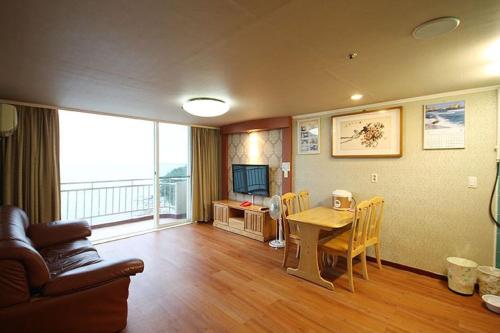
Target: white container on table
<point x="342" y="200"/>
<point x="462" y="275"/>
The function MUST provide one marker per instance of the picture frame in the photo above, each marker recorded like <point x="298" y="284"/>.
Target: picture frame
<point x="375" y="133"/>
<point x="444" y="125"/>
<point x="308" y="136"/>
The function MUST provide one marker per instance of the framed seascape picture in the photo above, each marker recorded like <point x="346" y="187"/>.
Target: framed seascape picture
<point x="375" y="133"/>
<point x="444" y="125"/>
<point x="308" y="136"/>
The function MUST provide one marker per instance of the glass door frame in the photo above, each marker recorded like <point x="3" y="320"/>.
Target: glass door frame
<point x="156" y="181"/>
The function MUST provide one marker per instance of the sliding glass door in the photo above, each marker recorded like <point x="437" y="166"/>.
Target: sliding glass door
<point x="108" y="173"/>
<point x="174" y="173"/>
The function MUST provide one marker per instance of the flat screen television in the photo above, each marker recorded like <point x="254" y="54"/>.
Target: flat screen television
<point x="251" y="179"/>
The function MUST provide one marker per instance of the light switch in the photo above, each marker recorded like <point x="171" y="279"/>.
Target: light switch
<point x="472" y="182"/>
<point x="285" y="166"/>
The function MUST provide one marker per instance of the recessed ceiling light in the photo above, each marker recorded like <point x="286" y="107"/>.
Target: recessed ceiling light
<point x="356" y="97"/>
<point x="206" y="107"/>
<point x="436" y="27"/>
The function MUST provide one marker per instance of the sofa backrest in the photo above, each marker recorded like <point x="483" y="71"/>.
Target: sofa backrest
<point x="15" y="246"/>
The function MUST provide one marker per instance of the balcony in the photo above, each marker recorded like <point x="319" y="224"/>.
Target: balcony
<point x="120" y="207"/>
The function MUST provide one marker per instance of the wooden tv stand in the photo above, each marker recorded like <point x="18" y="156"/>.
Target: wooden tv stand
<point x="251" y="221"/>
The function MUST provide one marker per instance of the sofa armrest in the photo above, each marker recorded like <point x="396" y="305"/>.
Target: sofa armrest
<point x="14" y="288"/>
<point x="92" y="275"/>
<point x="47" y="234"/>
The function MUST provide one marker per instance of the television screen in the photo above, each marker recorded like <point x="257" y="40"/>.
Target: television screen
<point x="251" y="179"/>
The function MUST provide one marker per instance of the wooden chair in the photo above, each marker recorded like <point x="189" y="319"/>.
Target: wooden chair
<point x="373" y="232"/>
<point x="289" y="206"/>
<point x="304" y="200"/>
<point x="351" y="243"/>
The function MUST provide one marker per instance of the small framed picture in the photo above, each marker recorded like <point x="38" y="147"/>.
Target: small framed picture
<point x="444" y="125"/>
<point x="376" y="133"/>
<point x="308" y="136"/>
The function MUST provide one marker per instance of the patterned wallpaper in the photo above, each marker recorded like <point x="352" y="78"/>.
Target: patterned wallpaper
<point x="264" y="147"/>
<point x="430" y="212"/>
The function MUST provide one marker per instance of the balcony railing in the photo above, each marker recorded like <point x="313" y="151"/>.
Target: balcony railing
<point x="109" y="202"/>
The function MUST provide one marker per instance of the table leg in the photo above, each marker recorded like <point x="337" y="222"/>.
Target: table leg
<point x="308" y="263"/>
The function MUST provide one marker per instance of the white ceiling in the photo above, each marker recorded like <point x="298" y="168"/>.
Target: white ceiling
<point x="267" y="57"/>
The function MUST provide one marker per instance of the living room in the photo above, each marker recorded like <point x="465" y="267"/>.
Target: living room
<point x="248" y="166"/>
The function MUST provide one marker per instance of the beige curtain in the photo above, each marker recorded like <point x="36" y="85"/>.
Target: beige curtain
<point x="205" y="159"/>
<point x="31" y="164"/>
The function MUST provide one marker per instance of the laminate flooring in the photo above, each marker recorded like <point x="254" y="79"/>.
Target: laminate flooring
<point x="201" y="279"/>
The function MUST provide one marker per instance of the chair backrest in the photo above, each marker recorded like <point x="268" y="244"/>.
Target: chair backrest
<point x="376" y="215"/>
<point x="360" y="226"/>
<point x="304" y="200"/>
<point x="289" y="206"/>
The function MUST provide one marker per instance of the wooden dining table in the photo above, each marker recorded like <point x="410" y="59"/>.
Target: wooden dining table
<point x="310" y="222"/>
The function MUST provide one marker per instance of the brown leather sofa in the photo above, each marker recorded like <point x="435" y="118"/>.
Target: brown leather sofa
<point x="53" y="280"/>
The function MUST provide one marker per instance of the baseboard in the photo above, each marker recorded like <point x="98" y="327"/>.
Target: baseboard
<point x="138" y="219"/>
<point x="410" y="269"/>
<point x="111" y="239"/>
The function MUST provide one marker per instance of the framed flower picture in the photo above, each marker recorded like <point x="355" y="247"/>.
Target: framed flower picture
<point x="375" y="133"/>
<point x="308" y="136"/>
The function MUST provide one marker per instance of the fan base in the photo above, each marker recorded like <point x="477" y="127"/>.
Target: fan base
<point x="277" y="244"/>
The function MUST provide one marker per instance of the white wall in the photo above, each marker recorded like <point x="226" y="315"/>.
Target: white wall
<point x="430" y="212"/>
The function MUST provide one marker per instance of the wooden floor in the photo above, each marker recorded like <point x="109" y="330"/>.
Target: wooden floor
<point x="200" y="279"/>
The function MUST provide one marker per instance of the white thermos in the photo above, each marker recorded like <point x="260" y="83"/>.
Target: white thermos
<point x="342" y="200"/>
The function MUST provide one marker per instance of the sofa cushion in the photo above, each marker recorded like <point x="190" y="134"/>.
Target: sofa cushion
<point x="67" y="256"/>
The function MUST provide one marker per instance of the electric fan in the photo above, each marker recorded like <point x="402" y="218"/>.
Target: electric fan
<point x="274" y="205"/>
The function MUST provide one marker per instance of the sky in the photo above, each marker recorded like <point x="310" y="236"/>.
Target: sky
<point x="97" y="147"/>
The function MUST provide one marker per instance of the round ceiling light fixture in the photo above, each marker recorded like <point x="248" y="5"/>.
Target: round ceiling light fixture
<point x="356" y="97"/>
<point x="205" y="107"/>
<point x="436" y="27"/>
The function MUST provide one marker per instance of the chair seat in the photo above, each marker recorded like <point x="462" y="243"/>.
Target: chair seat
<point x="339" y="243"/>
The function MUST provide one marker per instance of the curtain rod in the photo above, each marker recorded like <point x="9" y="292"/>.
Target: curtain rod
<point x="9" y="101"/>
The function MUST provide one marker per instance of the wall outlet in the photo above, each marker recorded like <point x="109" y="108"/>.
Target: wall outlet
<point x="472" y="182"/>
<point x="374" y="177"/>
